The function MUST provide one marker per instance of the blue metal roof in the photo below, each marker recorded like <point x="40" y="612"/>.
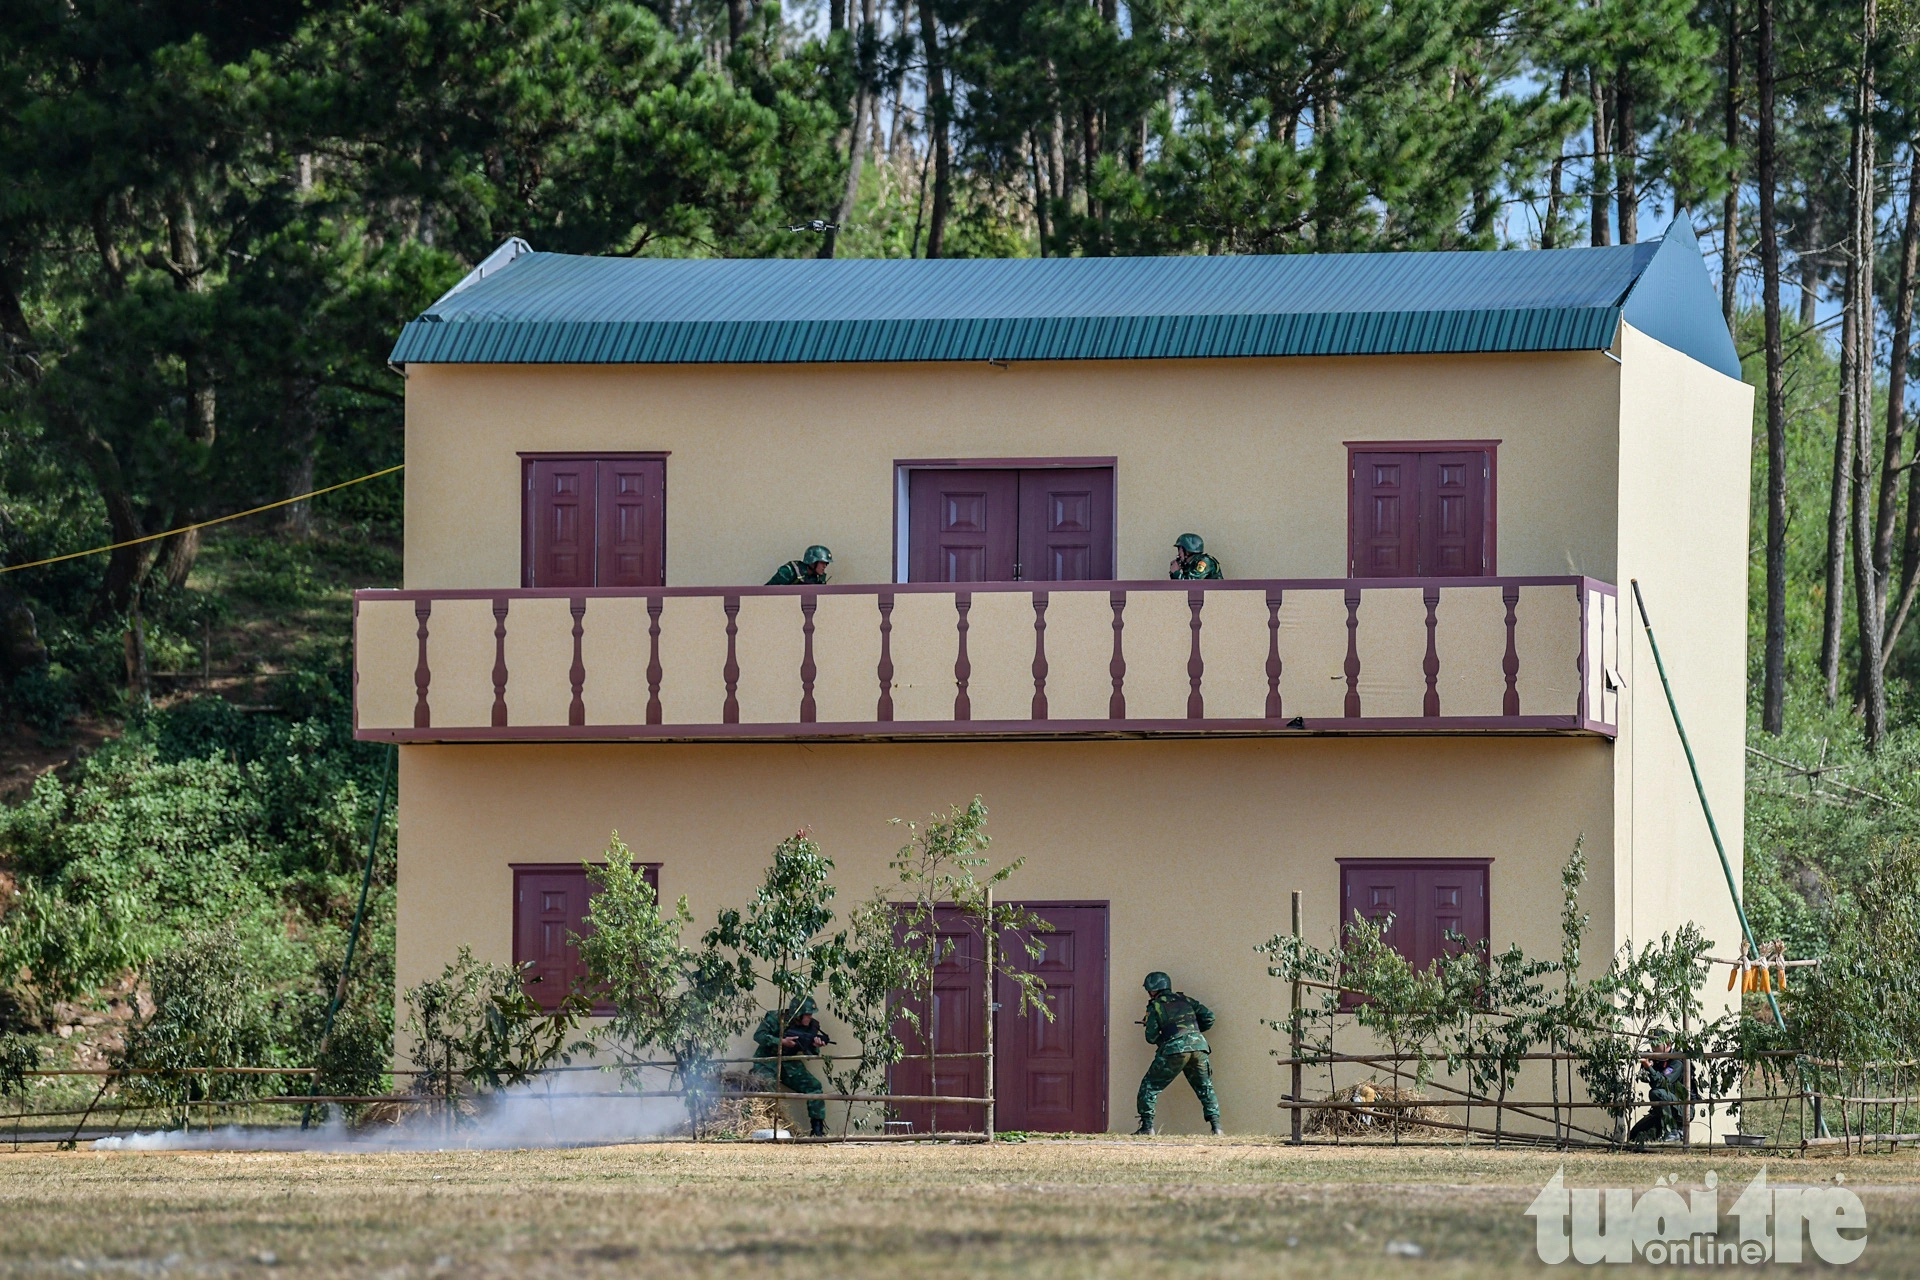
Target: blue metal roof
<point x="556" y="309"/>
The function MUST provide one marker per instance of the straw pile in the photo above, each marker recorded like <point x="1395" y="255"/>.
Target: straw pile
<point x="736" y="1117"/>
<point x="1351" y="1122"/>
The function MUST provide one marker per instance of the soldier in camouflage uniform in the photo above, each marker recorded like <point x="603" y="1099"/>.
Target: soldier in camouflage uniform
<point x="1190" y="559"/>
<point x="1666" y="1083"/>
<point x="810" y="570"/>
<point x="1174" y="1024"/>
<point x="790" y="1037"/>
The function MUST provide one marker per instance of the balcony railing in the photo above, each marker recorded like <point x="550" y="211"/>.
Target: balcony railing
<point x="1002" y="660"/>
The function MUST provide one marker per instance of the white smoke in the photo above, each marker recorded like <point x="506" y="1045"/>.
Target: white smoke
<point x="542" y="1113"/>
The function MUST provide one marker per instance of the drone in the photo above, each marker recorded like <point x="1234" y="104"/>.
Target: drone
<point x="818" y="224"/>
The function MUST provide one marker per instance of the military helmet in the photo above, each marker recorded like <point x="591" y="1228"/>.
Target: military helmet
<point x="1190" y="544"/>
<point x="1157" y="982"/>
<point x="817" y="555"/>
<point x="800" y="1006"/>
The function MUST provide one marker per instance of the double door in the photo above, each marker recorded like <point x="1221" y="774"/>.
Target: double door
<point x="1040" y="524"/>
<point x="595" y="521"/>
<point x="1049" y="1076"/>
<point x="1421" y="513"/>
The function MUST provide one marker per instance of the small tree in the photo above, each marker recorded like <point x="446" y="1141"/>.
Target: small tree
<point x="18" y="1055"/>
<point x="867" y="992"/>
<point x="941" y="866"/>
<point x="1657" y="985"/>
<point x="667" y="998"/>
<point x="475" y="1031"/>
<point x="780" y="940"/>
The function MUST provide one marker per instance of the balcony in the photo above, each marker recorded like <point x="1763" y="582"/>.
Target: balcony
<point x="1014" y="660"/>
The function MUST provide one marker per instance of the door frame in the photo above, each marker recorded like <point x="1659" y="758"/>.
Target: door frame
<point x="1104" y="1091"/>
<point x="1491" y="524"/>
<point x="530" y="456"/>
<point x="903" y="466"/>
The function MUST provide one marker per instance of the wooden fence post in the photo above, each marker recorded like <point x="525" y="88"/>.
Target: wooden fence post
<point x="987" y="950"/>
<point x="1298" y="1085"/>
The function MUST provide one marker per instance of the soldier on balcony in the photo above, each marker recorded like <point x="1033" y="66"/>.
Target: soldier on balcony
<point x="810" y="570"/>
<point x="1190" y="559"/>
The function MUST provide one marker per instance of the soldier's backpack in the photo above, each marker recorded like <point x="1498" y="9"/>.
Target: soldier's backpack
<point x="1202" y="1016"/>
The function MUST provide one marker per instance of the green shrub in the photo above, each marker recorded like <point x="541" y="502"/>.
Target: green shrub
<point x="474" y="1030"/>
<point x="218" y="1002"/>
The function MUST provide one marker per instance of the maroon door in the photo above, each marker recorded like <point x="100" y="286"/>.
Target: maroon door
<point x="560" y="523"/>
<point x="958" y="1025"/>
<point x="630" y="534"/>
<point x="1386" y="515"/>
<point x="1066" y="525"/>
<point x="963" y="526"/>
<point x="1453" y="518"/>
<point x="1042" y="524"/>
<point x="595" y="522"/>
<point x="549" y="908"/>
<point x="1420" y="514"/>
<point x="1427" y="900"/>
<point x="1051" y="1077"/>
<point x="1048" y="1076"/>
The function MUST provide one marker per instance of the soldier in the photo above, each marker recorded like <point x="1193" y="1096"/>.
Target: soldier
<point x="1174" y="1023"/>
<point x="1190" y="559"/>
<point x="810" y="570"/>
<point x="1666" y="1080"/>
<point x="790" y="1037"/>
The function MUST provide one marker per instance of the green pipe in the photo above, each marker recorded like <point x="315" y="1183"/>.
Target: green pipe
<point x="1719" y="846"/>
<point x="353" y="935"/>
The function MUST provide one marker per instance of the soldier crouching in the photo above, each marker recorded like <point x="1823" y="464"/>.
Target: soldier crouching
<point x="791" y="1036"/>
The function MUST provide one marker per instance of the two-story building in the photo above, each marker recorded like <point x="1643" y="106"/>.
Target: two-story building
<point x="1429" y="477"/>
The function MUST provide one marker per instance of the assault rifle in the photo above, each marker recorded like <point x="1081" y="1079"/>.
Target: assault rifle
<point x="809" y="1039"/>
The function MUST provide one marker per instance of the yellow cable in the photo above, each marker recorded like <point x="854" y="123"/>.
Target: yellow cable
<point x="188" y="528"/>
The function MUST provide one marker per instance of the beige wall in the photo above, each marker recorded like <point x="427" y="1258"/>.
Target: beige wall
<point x="1195" y="844"/>
<point x="1685" y="440"/>
<point x="769" y="458"/>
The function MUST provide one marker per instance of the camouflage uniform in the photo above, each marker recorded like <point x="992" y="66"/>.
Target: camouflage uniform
<point x="1192" y="561"/>
<point x="810" y="570"/>
<point x="1666" y="1084"/>
<point x="1173" y="1025"/>
<point x="794" y="1073"/>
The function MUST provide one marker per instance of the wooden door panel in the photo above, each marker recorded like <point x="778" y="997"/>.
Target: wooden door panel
<point x="1453" y="496"/>
<point x="1386" y="515"/>
<point x="1066" y="525"/>
<point x="1426" y="900"/>
<point x="550" y="905"/>
<point x="632" y="527"/>
<point x="1420" y="513"/>
<point x="958" y="1025"/>
<point x="1452" y="899"/>
<point x="1051" y="1077"/>
<point x="560" y="520"/>
<point x="962" y="526"/>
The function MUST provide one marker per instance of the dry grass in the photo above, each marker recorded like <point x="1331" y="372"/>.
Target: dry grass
<point x="1090" y="1207"/>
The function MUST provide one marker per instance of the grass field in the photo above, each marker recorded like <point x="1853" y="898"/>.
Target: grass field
<point x="1105" y="1207"/>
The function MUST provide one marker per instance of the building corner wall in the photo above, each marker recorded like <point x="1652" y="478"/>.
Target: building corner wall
<point x="1685" y="455"/>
